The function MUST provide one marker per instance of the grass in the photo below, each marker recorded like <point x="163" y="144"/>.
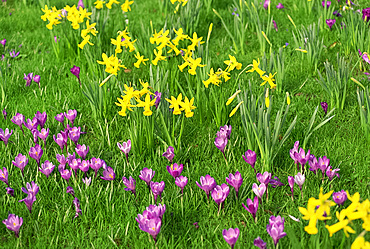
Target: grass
<point x="108" y="211"/>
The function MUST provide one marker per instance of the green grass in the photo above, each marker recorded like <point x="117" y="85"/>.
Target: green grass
<point x="109" y="212"/>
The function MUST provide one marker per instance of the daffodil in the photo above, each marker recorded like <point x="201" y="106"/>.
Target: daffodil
<point x="232" y="97"/>
<point x="235" y="109"/>
<point x="180" y="36"/>
<point x="194" y="64"/>
<point x="158" y="57"/>
<point x="112" y="64"/>
<point x="342" y="224"/>
<point x="110" y="3"/>
<point x="175" y="104"/>
<point x="255" y="67"/>
<point x="85" y="41"/>
<point x="269" y="79"/>
<point x="232" y="64"/>
<point x="187" y="106"/>
<point x="99" y="4"/>
<point x="126" y="6"/>
<point x="213" y="78"/>
<point x="146" y="104"/>
<point x="195" y="41"/>
<point x="89" y="29"/>
<point x="140" y="59"/>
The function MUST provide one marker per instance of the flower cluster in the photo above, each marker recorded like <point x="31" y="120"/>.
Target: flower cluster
<point x="151" y="219"/>
<point x="178" y="105"/>
<point x="266" y="78"/>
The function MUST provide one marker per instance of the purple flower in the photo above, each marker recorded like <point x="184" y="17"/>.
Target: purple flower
<point x="275" y="228"/>
<point x="365" y="57"/>
<point x="82" y="150"/>
<point x="36" y="79"/>
<point x="265" y="178"/>
<point x="76" y="202"/>
<point x="336" y="13"/>
<point x="252" y="207"/>
<point x="366" y="14"/>
<point x="328" y="3"/>
<point x="147" y="175"/>
<point x="13" y="54"/>
<point x="75" y="164"/>
<point x="74" y="134"/>
<point x="5" y="135"/>
<point x="259" y="190"/>
<point x="151" y="226"/>
<point x="96" y="164"/>
<point x="10" y="191"/>
<point x="169" y="154"/>
<point x="43" y="134"/>
<point x="41" y="117"/>
<point x="231" y="236"/>
<point x="218" y="195"/>
<point x="36" y="153"/>
<point x="207" y="183"/>
<point x="331" y="173"/>
<point x="340" y="197"/>
<point x="225" y="131"/>
<point x="301" y="157"/>
<point x="259" y="243"/>
<point x="31" y="124"/>
<point x="60" y="117"/>
<point x="29" y="200"/>
<point x="71" y="115"/>
<point x="323" y="164"/>
<point x="59" y="139"/>
<point x="5" y="114"/>
<point x="235" y="181"/>
<point x="46" y="168"/>
<point x="293" y="152"/>
<point x="221" y="143"/>
<point x="175" y="169"/>
<point x="157" y="189"/>
<point x="32" y="188"/>
<point x="130" y="184"/>
<point x="13" y="223"/>
<point x="181" y="182"/>
<point x="3" y="42"/>
<point x="314" y="164"/>
<point x="275" y="26"/>
<point x="4" y="176"/>
<point x="250" y="158"/>
<point x="291" y="184"/>
<point x="80" y="4"/>
<point x="20" y="161"/>
<point x="275" y="182"/>
<point x="125" y="147"/>
<point x="28" y="78"/>
<point x="65" y="174"/>
<point x="299" y="180"/>
<point x="330" y="22"/>
<point x="266" y="4"/>
<point x="84" y="166"/>
<point x="280" y="6"/>
<point x="18" y="119"/>
<point x="76" y="72"/>
<point x="108" y="174"/>
<point x="70" y="191"/>
<point x="158" y="96"/>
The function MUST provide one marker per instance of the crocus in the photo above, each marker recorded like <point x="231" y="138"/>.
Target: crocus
<point x="280" y="6"/>
<point x="84" y="166"/>
<point x="323" y="164"/>
<point x="75" y="70"/>
<point x="36" y="153"/>
<point x="275" y="228"/>
<point x="299" y="179"/>
<point x="275" y="182"/>
<point x="221" y="143"/>
<point x="70" y="191"/>
<point x="43" y="134"/>
<point x="3" y="42"/>
<point x="275" y="25"/>
<point x="293" y="152"/>
<point x="76" y="202"/>
<point x="259" y="243"/>
<point x="264" y="178"/>
<point x="32" y="188"/>
<point x="324" y="106"/>
<point x="175" y="169"/>
<point x="29" y="200"/>
<point x="5" y="135"/>
<point x="151" y="226"/>
<point x="157" y="189"/>
<point x="336" y="13"/>
<point x="80" y="5"/>
<point x="13" y="223"/>
<point x="231" y="236"/>
<point x="366" y="14"/>
<point x="218" y="195"/>
<point x="28" y="78"/>
<point x="13" y="54"/>
<point x="130" y="184"/>
<point x="147" y="175"/>
<point x="59" y="139"/>
<point x="65" y="174"/>
<point x="31" y="124"/>
<point x="36" y="79"/>
<point x="60" y="118"/>
<point x="252" y="207"/>
<point x="169" y="154"/>
<point x="4" y="176"/>
<point x="74" y="134"/>
<point x="10" y="191"/>
<point x="235" y="181"/>
<point x="5" y="114"/>
<point x="314" y="164"/>
<point x="96" y="164"/>
<point x="41" y="118"/>
<point x="20" y="161"/>
<point x="250" y="158"/>
<point x="328" y="3"/>
<point x="82" y="150"/>
<point x="302" y="157"/>
<point x="125" y="147"/>
<point x="291" y="184"/>
<point x="87" y="181"/>
<point x="259" y="190"/>
<point x="47" y="168"/>
<point x="181" y="182"/>
<point x="75" y="164"/>
<point x="225" y="131"/>
<point x="340" y="197"/>
<point x="18" y="119"/>
<point x="330" y="22"/>
<point x="331" y="173"/>
<point x="71" y="115"/>
<point x="207" y="183"/>
<point x="266" y="4"/>
<point x="108" y="174"/>
<point x="158" y="96"/>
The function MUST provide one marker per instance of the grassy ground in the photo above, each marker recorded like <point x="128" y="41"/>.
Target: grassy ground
<point x="108" y="212"/>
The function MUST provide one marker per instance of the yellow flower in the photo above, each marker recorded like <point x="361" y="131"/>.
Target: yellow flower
<point x="126" y="6"/>
<point x="180" y="36"/>
<point x="89" y="29"/>
<point x="232" y="97"/>
<point x="194" y="64"/>
<point x="99" y="4"/>
<point x="187" y="106"/>
<point x="175" y="104"/>
<point x="360" y="243"/>
<point x="232" y="64"/>
<point x="256" y="68"/>
<point x="140" y="59"/>
<point x="195" y="41"/>
<point x="125" y="105"/>
<point x="269" y="79"/>
<point x="146" y="104"/>
<point x="159" y="57"/>
<point x="287" y="98"/>
<point x="235" y="109"/>
<point x="301" y="50"/>
<point x="112" y="64"/>
<point x="110" y="3"/>
<point x="342" y="224"/>
<point x="213" y="78"/>
<point x="85" y="41"/>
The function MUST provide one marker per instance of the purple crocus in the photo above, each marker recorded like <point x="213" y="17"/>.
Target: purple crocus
<point x="41" y="118"/>
<point x="36" y="153"/>
<point x="275" y="182"/>
<point x="108" y="174"/>
<point x="302" y="157"/>
<point x="314" y="164"/>
<point x="13" y="54"/>
<point x="324" y="106"/>
<point x="18" y="119"/>
<point x="71" y="115"/>
<point x="323" y="164"/>
<point x="75" y="164"/>
<point x="250" y="158"/>
<point x="74" y="134"/>
<point x="31" y="124"/>
<point x="366" y="14"/>
<point x="157" y="189"/>
<point x="28" y="78"/>
<point x="275" y="228"/>
<point x="65" y="174"/>
<point x="147" y="175"/>
<point x="20" y="161"/>
<point x="275" y="25"/>
<point x="158" y="96"/>
<point x="29" y="200"/>
<point x="207" y="183"/>
<point x="231" y="236"/>
<point x="266" y="4"/>
<point x="330" y="22"/>
<point x="218" y="195"/>
<point x="259" y="243"/>
<point x="60" y="118"/>
<point x="221" y="143"/>
<point x="299" y="180"/>
<point x="82" y="150"/>
<point x="280" y="6"/>
<point x="264" y="178"/>
<point x="175" y="169"/>
<point x="80" y="4"/>
<point x="259" y="190"/>
<point x="70" y="191"/>
<point x="36" y="79"/>
<point x="84" y="166"/>
<point x="151" y="226"/>
<point x="225" y="131"/>
<point x="13" y="223"/>
<point x="336" y="13"/>
<point x="75" y="70"/>
<point x="181" y="182"/>
<point x="5" y="114"/>
<point x="293" y="152"/>
<point x="78" y="209"/>
<point x="5" y="135"/>
<point x="47" y="168"/>
<point x="59" y="139"/>
<point x="96" y="164"/>
<point x="328" y="3"/>
<point x="3" y="42"/>
<point x="4" y="176"/>
<point x="331" y="173"/>
<point x="291" y="185"/>
<point x="125" y="147"/>
<point x="340" y="197"/>
<point x="10" y="191"/>
<point x="32" y="188"/>
<point x="252" y="207"/>
<point x="130" y="184"/>
<point x="169" y="154"/>
<point x="235" y="181"/>
<point x="43" y="134"/>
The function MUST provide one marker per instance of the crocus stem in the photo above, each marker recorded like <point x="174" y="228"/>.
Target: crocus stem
<point x="227" y="164"/>
<point x="219" y="209"/>
<point x="302" y="193"/>
<point x="267" y="194"/>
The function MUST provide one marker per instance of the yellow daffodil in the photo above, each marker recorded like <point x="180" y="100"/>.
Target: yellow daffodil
<point x="85" y="41"/>
<point x="213" y="78"/>
<point x="126" y="6"/>
<point x="158" y="57"/>
<point x="146" y="104"/>
<point x="287" y="98"/>
<point x="232" y="97"/>
<point x="175" y="104"/>
<point x="235" y="109"/>
<point x="269" y="79"/>
<point x="180" y="36"/>
<point x="232" y="64"/>
<point x="187" y="106"/>
<point x="140" y="59"/>
<point x="110" y="3"/>
<point x="112" y="64"/>
<point x="99" y="4"/>
<point x="194" y="64"/>
<point x="255" y="67"/>
<point x="90" y="29"/>
<point x="195" y="41"/>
